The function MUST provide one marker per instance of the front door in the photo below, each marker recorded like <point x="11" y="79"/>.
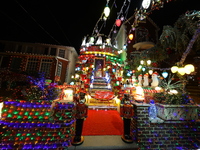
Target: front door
<point x="99" y="63"/>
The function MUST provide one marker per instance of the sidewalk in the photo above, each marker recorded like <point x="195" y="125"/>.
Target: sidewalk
<point x="113" y="142"/>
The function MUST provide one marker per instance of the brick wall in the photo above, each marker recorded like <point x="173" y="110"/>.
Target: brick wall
<point x="160" y="134"/>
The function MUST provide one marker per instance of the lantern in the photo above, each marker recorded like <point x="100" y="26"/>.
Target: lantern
<point x="106" y="11"/>
<point x="165" y="74"/>
<point x="181" y="70"/>
<point x="143" y="68"/>
<point x="130" y="36"/>
<point x="150" y="72"/>
<point x="148" y="62"/>
<point x="118" y="22"/>
<point x="174" y="69"/>
<point x="189" y="67"/>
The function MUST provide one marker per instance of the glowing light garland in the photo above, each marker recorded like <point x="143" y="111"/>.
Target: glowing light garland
<point x="34" y="125"/>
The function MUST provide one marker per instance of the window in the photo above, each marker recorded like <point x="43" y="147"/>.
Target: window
<point x="59" y="69"/>
<point x="61" y="53"/>
<point x="46" y="67"/>
<point x="15" y="63"/>
<point x="53" y="51"/>
<point x="32" y="65"/>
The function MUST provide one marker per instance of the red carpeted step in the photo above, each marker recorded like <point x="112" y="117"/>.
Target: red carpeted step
<point x="101" y="122"/>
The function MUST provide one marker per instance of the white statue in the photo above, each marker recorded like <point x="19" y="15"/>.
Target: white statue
<point x="146" y="80"/>
<point x="155" y="81"/>
<point x="140" y="80"/>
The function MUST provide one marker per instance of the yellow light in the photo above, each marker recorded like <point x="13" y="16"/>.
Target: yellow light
<point x="189" y="67"/>
<point x="130" y="36"/>
<point x="106" y="11"/>
<point x="148" y="62"/>
<point x="142" y="62"/>
<point x="181" y="70"/>
<point x="174" y="69"/>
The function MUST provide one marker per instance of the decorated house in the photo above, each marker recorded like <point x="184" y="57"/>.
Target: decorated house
<point x="56" y="61"/>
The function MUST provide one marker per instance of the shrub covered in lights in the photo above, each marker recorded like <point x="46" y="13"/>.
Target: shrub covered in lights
<point x="36" y="89"/>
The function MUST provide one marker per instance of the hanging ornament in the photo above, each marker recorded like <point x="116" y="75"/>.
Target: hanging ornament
<point x="189" y="67"/>
<point x="118" y="22"/>
<point x="130" y="36"/>
<point x="150" y="72"/>
<point x="165" y="74"/>
<point x="106" y="11"/>
<point x="174" y="69"/>
<point x="148" y="62"/>
<point x="181" y="70"/>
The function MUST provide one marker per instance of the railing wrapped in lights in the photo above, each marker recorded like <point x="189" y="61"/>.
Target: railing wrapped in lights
<point x="36" y="125"/>
<point x="102" y="49"/>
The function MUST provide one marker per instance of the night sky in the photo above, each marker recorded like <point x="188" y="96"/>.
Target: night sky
<point x="67" y="22"/>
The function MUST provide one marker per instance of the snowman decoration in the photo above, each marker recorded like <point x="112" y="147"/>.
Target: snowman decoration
<point x="140" y="80"/>
<point x="155" y="81"/>
<point x="133" y="79"/>
<point x="146" y="80"/>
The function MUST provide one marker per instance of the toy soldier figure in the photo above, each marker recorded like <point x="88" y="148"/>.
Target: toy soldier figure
<point x="126" y="111"/>
<point x="81" y="114"/>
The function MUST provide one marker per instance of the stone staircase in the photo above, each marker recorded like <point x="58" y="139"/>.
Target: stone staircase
<point x="99" y="84"/>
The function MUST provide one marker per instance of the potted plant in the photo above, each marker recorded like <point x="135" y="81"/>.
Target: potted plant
<point x="174" y="103"/>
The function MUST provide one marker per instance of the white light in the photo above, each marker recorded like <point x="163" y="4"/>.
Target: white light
<point x="148" y="62"/>
<point x="150" y="72"/>
<point x="68" y="95"/>
<point x="106" y="11"/>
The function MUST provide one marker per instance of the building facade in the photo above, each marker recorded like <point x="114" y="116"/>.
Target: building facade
<point x="57" y="62"/>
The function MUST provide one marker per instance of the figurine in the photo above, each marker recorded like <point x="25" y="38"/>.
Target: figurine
<point x="126" y="111"/>
<point x="81" y="114"/>
<point x="146" y="80"/>
<point x="140" y="80"/>
<point x="155" y="81"/>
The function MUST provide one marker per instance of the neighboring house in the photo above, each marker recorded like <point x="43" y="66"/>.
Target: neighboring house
<point x="145" y="35"/>
<point x="56" y="61"/>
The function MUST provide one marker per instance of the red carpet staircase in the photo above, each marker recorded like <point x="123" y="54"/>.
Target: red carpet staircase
<point x="100" y="84"/>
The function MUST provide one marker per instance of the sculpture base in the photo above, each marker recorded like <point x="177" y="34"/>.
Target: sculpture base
<point x="126" y="139"/>
<point x="79" y="142"/>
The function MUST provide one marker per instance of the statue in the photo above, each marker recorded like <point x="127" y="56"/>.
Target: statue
<point x="126" y="111"/>
<point x="146" y="80"/>
<point x="81" y="114"/>
<point x="140" y="80"/>
<point x="155" y="81"/>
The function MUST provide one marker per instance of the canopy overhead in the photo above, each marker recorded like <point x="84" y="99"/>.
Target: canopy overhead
<point x="143" y="45"/>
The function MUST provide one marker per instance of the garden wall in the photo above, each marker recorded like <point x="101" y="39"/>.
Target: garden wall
<point x="160" y="134"/>
<point x="36" y="125"/>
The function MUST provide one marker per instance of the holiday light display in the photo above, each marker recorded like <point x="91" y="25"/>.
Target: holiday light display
<point x="35" y="125"/>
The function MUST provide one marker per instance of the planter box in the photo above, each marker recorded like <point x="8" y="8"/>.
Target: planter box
<point x="177" y="112"/>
